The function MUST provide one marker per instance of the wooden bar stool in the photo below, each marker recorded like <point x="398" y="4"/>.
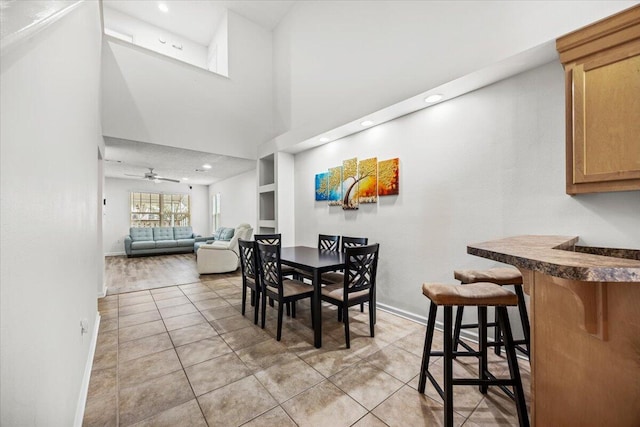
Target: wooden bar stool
<point x="500" y="276"/>
<point x="481" y="295"/>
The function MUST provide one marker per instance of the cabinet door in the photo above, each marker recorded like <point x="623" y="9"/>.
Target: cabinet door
<point x="606" y="118"/>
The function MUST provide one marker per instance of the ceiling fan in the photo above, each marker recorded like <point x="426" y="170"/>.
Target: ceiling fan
<point x="152" y="176"/>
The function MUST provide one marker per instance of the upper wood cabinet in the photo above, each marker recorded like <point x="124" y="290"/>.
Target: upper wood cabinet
<point x="602" y="84"/>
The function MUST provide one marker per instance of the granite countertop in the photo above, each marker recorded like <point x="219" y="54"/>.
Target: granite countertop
<point x="559" y="256"/>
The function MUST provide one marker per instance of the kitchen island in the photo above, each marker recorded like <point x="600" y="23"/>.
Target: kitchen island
<point x="585" y="328"/>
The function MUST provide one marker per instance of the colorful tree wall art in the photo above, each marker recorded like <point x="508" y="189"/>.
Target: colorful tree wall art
<point x="389" y="177"/>
<point x="334" y="186"/>
<point x="358" y="182"/>
<point x="322" y="186"/>
<point x="368" y="177"/>
<point x="350" y="184"/>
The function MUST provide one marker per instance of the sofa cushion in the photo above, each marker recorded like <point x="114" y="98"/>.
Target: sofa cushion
<point x="163" y="233"/>
<point x="227" y="234"/>
<point x="186" y="242"/>
<point x="216" y="234"/>
<point x="143" y="244"/>
<point x="182" y="233"/>
<point x="141" y="233"/>
<point x="166" y="243"/>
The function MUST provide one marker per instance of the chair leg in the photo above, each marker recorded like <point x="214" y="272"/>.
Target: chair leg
<point x="426" y="353"/>
<point x="255" y="309"/>
<point x="514" y="370"/>
<point x="361" y="307"/>
<point x="457" y="328"/>
<point x="448" y="366"/>
<point x="264" y="306"/>
<point x="372" y="320"/>
<point x="345" y="316"/>
<point x="244" y="298"/>
<point x="339" y="315"/>
<point x="288" y="309"/>
<point x="293" y="309"/>
<point x="253" y="298"/>
<point x="271" y="302"/>
<point x="280" y="313"/>
<point x="482" y="343"/>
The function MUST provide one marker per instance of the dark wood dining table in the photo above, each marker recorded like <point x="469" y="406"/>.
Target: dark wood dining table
<point x="315" y="261"/>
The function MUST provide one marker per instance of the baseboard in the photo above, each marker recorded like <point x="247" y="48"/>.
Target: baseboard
<point x="115" y="253"/>
<point x="84" y="389"/>
<point x="469" y="336"/>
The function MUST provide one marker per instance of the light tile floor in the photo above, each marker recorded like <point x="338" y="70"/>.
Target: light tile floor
<point x="185" y="356"/>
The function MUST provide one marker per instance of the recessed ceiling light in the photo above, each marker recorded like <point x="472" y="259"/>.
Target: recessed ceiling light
<point x="163" y="7"/>
<point x="366" y="123"/>
<point x="185" y="179"/>
<point x="206" y="166"/>
<point x="433" y="98"/>
<point x="324" y="139"/>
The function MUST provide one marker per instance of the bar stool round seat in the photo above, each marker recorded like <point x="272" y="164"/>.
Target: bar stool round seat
<point x="500" y="276"/>
<point x="481" y="295"/>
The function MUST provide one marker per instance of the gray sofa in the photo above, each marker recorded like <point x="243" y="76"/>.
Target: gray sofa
<point x="160" y="240"/>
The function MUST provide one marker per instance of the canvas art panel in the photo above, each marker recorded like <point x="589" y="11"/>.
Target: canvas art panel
<point x="350" y="184"/>
<point x="389" y="177"/>
<point x="322" y="186"/>
<point x="368" y="180"/>
<point x="334" y="186"/>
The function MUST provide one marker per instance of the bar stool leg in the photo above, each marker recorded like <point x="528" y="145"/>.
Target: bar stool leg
<point x="458" y="326"/>
<point x="496" y="333"/>
<point x="426" y="353"/>
<point x="524" y="318"/>
<point x="448" y="366"/>
<point x="510" y="349"/>
<point x="482" y="343"/>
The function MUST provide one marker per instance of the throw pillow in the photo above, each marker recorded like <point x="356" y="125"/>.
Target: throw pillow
<point x="227" y="234"/>
<point x="216" y="234"/>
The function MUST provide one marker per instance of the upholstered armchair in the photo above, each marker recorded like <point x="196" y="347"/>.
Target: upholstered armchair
<point x="222" y="256"/>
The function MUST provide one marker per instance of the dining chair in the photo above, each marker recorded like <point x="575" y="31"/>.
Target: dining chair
<point x="358" y="286"/>
<point x="250" y="275"/>
<point x="274" y="286"/>
<point x="290" y="272"/>
<point x="338" y="277"/>
<point x="328" y="243"/>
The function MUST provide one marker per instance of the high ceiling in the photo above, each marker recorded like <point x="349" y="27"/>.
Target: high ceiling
<point x="197" y="20"/>
<point x="124" y="157"/>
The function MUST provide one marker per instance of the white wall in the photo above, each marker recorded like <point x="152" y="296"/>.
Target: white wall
<point x="486" y="165"/>
<point x="117" y="220"/>
<point x="147" y="36"/>
<point x="149" y="98"/>
<point x="237" y="199"/>
<point x="49" y="132"/>
<point x="218" y="50"/>
<point x="336" y="61"/>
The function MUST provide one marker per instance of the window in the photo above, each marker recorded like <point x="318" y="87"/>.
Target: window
<point x="215" y="211"/>
<point x="160" y="210"/>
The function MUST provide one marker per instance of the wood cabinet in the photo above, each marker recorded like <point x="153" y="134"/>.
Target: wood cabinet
<point x="602" y="84"/>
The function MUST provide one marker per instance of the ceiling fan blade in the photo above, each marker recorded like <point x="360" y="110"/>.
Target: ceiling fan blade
<point x="137" y="176"/>
<point x="167" y="179"/>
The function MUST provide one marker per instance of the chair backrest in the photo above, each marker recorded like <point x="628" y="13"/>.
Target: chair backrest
<point x="270" y="267"/>
<point x="328" y="243"/>
<point x="350" y="242"/>
<point x="248" y="258"/>
<point x="361" y="266"/>
<point x="269" y="239"/>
